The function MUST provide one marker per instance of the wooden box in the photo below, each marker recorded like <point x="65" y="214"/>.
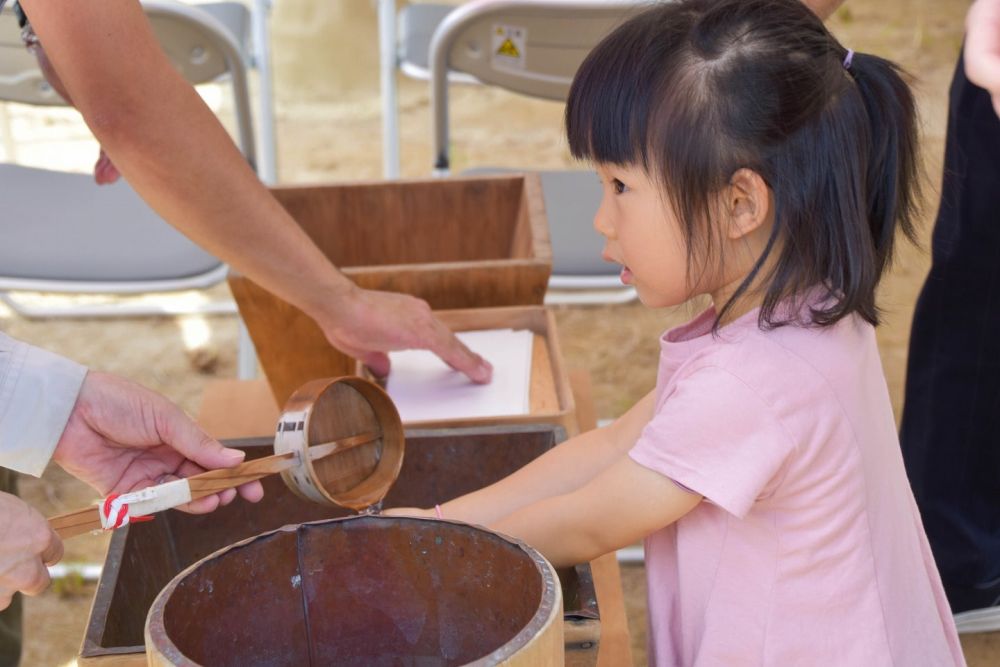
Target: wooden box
<point x="439" y="465"/>
<point x="551" y="397"/>
<point x="456" y="243"/>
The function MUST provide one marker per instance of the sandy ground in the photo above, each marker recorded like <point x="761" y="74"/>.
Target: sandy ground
<point x="329" y="130"/>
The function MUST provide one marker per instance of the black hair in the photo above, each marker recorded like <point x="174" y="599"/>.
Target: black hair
<point x="694" y="90"/>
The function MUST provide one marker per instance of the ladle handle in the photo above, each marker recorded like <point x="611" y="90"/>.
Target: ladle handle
<point x="179" y="492"/>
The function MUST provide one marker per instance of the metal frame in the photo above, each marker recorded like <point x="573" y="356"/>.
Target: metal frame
<point x="267" y="168"/>
<point x="235" y="57"/>
<point x="472" y="12"/>
<point x="236" y="64"/>
<point x="569" y="289"/>
<point x="388" y="62"/>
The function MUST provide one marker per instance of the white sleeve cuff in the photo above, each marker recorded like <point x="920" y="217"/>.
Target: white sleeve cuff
<point x="38" y="390"/>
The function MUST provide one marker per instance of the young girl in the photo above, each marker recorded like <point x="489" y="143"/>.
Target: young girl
<point x="746" y="155"/>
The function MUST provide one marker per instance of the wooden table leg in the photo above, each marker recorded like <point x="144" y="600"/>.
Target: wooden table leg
<point x="615" y="649"/>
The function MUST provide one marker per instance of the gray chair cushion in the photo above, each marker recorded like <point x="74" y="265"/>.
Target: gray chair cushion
<point x="417" y="24"/>
<point x="571" y="201"/>
<point x="59" y="226"/>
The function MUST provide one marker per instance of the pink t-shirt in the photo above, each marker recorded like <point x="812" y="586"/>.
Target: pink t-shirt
<point x="809" y="549"/>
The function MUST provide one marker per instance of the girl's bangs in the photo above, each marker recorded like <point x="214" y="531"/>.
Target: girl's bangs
<point x="607" y="117"/>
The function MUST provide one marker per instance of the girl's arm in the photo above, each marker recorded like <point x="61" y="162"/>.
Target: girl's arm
<point x="624" y="503"/>
<point x="561" y="470"/>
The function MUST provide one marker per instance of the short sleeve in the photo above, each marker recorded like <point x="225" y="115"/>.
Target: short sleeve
<point x="38" y="390"/>
<point x="713" y="434"/>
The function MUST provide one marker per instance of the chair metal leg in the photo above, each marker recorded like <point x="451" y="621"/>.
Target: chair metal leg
<point x="632" y="556"/>
<point x="9" y="148"/>
<point x="387" y="82"/>
<point x="267" y="167"/>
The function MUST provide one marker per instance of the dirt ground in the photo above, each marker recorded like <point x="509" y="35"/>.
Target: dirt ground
<point x="328" y="125"/>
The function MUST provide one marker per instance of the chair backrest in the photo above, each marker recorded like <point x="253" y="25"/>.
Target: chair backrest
<point x="20" y="78"/>
<point x="204" y="42"/>
<point x="533" y="47"/>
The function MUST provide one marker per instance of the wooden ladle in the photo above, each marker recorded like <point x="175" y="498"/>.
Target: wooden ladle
<point x="338" y="442"/>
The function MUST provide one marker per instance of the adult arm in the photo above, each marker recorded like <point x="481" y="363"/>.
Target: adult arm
<point x="175" y="154"/>
<point x="105" y="172"/>
<point x="122" y="437"/>
<point x="38" y="391"/>
<point x="107" y="431"/>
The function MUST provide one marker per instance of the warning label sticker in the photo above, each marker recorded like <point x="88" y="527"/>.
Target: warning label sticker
<point x="509" y="46"/>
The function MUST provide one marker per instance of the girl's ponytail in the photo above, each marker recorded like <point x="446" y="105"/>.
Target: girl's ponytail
<point x="891" y="180"/>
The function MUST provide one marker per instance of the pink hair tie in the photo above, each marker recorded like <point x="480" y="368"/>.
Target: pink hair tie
<point x="848" y="59"/>
<point x="437" y="510"/>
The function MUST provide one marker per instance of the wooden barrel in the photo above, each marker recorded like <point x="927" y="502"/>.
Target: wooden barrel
<point x="362" y="591"/>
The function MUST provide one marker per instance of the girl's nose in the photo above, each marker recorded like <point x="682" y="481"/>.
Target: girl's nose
<point x="602" y="220"/>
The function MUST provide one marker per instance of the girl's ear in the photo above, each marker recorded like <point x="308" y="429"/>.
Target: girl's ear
<point x="749" y="203"/>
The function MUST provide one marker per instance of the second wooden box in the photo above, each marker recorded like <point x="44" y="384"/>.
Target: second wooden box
<point x="456" y="243"/>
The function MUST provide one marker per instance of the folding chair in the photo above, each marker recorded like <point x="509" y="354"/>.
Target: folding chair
<point x="62" y="233"/>
<point x="406" y="49"/>
<point x="532" y="47"/>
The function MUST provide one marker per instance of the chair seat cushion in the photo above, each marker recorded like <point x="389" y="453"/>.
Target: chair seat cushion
<point x="572" y="198"/>
<point x="417" y="24"/>
<point x="60" y="226"/>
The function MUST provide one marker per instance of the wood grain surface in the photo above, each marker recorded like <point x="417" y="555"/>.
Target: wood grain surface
<point x="550" y="395"/>
<point x="456" y="243"/>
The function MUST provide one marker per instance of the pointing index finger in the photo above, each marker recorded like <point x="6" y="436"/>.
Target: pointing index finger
<point x="457" y="355"/>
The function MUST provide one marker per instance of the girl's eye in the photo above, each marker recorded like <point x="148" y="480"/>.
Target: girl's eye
<point x="620" y="188"/>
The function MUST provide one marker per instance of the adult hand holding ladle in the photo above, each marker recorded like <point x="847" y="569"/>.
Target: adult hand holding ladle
<point x="118" y="437"/>
<point x="347" y="417"/>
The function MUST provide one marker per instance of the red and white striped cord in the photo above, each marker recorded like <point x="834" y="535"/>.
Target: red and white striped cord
<point x="114" y="512"/>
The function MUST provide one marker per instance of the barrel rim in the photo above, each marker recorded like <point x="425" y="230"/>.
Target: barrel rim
<point x="548" y="609"/>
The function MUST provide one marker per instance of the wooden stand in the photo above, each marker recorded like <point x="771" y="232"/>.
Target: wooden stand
<point x="456" y="243"/>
